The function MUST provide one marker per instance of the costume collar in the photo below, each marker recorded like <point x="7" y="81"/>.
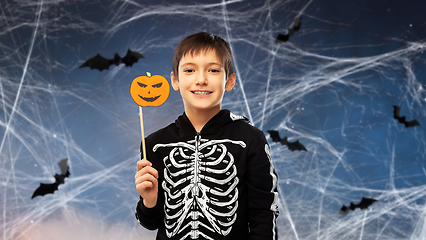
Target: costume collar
<point x="223" y="117"/>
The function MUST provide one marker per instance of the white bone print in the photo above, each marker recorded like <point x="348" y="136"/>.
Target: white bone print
<point x="200" y="188"/>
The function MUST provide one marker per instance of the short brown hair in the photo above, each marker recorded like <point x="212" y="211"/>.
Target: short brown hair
<point x="204" y="41"/>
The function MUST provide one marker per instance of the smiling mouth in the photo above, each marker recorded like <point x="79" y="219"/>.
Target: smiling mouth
<point x="151" y="99"/>
<point x="201" y="92"/>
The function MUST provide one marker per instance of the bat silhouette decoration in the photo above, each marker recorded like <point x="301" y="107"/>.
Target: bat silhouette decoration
<point x="46" y="188"/>
<point x="290" y="31"/>
<point x="291" y="145"/>
<point x="102" y="63"/>
<point x="365" y="203"/>
<point x="400" y="119"/>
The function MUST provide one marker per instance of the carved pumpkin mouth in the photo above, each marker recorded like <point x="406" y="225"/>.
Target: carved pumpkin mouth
<point x="150" y="99"/>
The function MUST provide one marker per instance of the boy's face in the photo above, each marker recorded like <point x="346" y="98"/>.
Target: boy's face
<point x="202" y="81"/>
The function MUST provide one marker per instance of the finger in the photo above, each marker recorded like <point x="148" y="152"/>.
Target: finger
<point x="146" y="177"/>
<point x="147" y="170"/>
<point x="146" y="184"/>
<point x="142" y="185"/>
<point x="143" y="163"/>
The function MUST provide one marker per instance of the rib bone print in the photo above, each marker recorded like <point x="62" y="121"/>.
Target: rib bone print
<point x="200" y="188"/>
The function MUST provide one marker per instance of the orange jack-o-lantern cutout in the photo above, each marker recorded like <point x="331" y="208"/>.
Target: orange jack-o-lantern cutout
<point x="150" y="90"/>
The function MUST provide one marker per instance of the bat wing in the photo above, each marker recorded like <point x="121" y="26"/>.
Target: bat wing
<point x="97" y="62"/>
<point x="282" y="38"/>
<point x="64" y="167"/>
<point x="396" y="111"/>
<point x="396" y="114"/>
<point x="44" y="189"/>
<point x="296" y="146"/>
<point x="365" y="203"/>
<point x="297" y="22"/>
<point x="344" y="210"/>
<point x="131" y="58"/>
<point x="274" y="135"/>
<point x="412" y="123"/>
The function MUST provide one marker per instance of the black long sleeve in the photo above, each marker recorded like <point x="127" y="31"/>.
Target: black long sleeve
<point x="262" y="195"/>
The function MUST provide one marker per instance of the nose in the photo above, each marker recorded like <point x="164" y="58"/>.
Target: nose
<point x="201" y="79"/>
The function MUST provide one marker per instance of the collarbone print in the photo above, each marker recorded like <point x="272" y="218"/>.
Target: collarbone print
<point x="200" y="188"/>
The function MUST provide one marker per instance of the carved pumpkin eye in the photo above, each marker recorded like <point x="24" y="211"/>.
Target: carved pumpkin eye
<point x="157" y="85"/>
<point x="142" y="85"/>
<point x="150" y="90"/>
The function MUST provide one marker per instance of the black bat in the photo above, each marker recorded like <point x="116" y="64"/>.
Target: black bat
<point x="102" y="63"/>
<point x="291" y="145"/>
<point x="365" y="203"/>
<point x="290" y="31"/>
<point x="46" y="188"/>
<point x="411" y="123"/>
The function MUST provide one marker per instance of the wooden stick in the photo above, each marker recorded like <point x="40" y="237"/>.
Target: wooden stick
<point x="142" y="132"/>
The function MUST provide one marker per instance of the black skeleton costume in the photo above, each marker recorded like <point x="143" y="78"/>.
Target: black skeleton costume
<point x="216" y="184"/>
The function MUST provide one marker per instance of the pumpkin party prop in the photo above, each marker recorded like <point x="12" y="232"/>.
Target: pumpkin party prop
<point x="149" y="91"/>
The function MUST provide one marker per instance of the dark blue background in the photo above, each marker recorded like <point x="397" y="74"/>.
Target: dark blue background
<point x="332" y="86"/>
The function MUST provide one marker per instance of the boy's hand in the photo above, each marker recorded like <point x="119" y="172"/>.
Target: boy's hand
<point x="146" y="180"/>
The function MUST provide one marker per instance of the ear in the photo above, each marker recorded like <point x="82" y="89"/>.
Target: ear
<point x="230" y="83"/>
<point x="175" y="81"/>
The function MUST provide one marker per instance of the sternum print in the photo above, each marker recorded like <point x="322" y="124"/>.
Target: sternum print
<point x="200" y="188"/>
<point x="195" y="189"/>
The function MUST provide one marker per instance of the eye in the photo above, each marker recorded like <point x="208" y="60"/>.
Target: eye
<point x="157" y="85"/>
<point x="188" y="70"/>
<point x="214" y="70"/>
<point x="142" y="85"/>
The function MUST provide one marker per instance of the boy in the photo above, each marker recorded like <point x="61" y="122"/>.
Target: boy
<point x="209" y="174"/>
